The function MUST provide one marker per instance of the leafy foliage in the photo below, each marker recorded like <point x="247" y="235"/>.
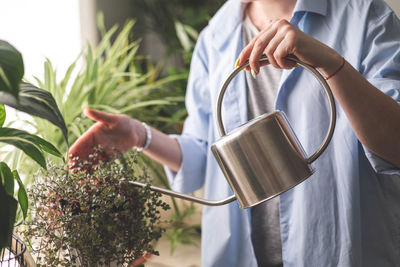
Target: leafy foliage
<point x="11" y="68"/>
<point x="2" y="115"/>
<point x="27" y="98"/>
<point x="31" y="144"/>
<point x="161" y="15"/>
<point x="112" y="80"/>
<point x="91" y="216"/>
<point x="182" y="233"/>
<point x="36" y="102"/>
<point x="8" y="209"/>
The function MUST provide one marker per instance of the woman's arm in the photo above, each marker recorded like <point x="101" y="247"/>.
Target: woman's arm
<point x="165" y="149"/>
<point x="121" y="133"/>
<point x="374" y="116"/>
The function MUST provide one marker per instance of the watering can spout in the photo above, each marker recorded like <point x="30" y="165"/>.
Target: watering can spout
<point x="185" y="196"/>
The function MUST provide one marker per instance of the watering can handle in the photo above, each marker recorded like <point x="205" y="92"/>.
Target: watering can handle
<point x="316" y="74"/>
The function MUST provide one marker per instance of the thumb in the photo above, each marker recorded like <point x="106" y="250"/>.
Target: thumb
<point x="100" y="116"/>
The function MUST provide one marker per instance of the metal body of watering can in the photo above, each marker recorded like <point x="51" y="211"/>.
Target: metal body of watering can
<point x="262" y="158"/>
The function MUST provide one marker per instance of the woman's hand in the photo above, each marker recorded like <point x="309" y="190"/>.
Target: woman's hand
<point x="113" y="132"/>
<point x="280" y="39"/>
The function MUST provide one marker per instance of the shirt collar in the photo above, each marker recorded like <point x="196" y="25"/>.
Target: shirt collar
<point x="314" y="6"/>
<point x="232" y="12"/>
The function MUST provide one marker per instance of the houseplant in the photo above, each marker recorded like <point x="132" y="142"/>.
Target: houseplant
<point x="114" y="78"/>
<point x="32" y="100"/>
<point x="91" y="216"/>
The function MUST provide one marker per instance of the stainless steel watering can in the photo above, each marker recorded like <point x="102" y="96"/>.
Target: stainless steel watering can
<point x="262" y="158"/>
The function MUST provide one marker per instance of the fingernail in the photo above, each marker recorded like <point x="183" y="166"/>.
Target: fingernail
<point x="237" y="63"/>
<point x="85" y="110"/>
<point x="253" y="73"/>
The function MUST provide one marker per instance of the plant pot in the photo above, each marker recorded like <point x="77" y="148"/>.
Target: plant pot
<point x="16" y="254"/>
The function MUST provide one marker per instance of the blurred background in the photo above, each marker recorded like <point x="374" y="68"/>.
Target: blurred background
<point x="64" y="41"/>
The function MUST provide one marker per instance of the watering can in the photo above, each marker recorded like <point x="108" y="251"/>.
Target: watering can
<point x="262" y="158"/>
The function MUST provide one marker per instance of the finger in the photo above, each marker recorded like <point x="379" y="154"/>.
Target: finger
<point x="84" y="145"/>
<point x="271" y="48"/>
<point x="285" y="48"/>
<point x="86" y="152"/>
<point x="97" y="115"/>
<point x="259" y="47"/>
<point x="81" y="148"/>
<point x="245" y="54"/>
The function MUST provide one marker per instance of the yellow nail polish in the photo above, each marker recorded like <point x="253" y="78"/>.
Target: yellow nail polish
<point x="253" y="73"/>
<point x="237" y="63"/>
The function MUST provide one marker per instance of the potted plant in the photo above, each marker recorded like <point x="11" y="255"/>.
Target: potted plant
<point x="32" y="100"/>
<point x="116" y="79"/>
<point x="91" y="216"/>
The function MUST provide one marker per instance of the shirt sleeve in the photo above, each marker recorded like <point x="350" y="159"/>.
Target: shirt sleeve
<point x="194" y="139"/>
<point x="381" y="66"/>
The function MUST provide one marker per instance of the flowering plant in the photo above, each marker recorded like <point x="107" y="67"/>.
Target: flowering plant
<point x="91" y="216"/>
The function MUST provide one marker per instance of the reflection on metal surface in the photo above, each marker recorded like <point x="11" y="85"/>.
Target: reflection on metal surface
<point x="262" y="158"/>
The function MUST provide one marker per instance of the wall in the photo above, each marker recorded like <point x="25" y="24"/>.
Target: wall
<point x="42" y="29"/>
<point x="395" y="5"/>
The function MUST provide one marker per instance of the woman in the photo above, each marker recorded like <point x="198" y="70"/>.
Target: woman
<point x="347" y="213"/>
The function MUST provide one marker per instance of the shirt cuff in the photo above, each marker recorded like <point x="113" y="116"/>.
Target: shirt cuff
<point x="380" y="165"/>
<point x="190" y="176"/>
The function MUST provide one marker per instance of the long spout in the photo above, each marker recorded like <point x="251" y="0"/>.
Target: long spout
<point x="186" y="197"/>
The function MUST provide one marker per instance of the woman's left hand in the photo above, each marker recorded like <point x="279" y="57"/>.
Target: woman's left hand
<point x="280" y="39"/>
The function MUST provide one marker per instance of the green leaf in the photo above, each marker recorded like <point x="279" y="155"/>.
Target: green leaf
<point x="22" y="195"/>
<point x="2" y="115"/>
<point x="8" y="210"/>
<point x="11" y="68"/>
<point x="36" y="102"/>
<point x="183" y="36"/>
<point x="7" y="179"/>
<point x="47" y="146"/>
<point x="144" y="104"/>
<point x="191" y="31"/>
<point x="24" y="141"/>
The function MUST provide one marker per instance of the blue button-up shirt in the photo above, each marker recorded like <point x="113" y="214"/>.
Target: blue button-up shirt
<point x="348" y="212"/>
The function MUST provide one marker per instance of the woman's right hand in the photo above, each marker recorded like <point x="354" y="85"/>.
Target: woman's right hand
<point x="113" y="132"/>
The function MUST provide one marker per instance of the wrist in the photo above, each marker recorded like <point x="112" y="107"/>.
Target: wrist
<point x="332" y="65"/>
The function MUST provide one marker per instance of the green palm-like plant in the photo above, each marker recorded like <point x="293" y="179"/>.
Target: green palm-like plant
<point x="112" y="80"/>
<point x="32" y="100"/>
